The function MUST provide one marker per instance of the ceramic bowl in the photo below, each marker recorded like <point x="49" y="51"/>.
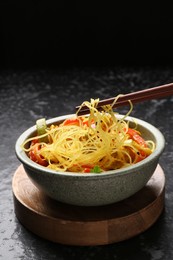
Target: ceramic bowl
<point x="93" y="189"/>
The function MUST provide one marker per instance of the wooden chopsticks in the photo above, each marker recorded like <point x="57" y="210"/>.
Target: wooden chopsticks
<point x="134" y="97"/>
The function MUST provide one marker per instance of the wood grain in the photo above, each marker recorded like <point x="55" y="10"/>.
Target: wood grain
<point x="83" y="226"/>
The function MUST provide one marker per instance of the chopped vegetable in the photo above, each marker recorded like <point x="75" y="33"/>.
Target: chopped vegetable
<point x="96" y="169"/>
<point x="35" y="155"/>
<point x="135" y="135"/>
<point x="41" y="129"/>
<point x="71" y="121"/>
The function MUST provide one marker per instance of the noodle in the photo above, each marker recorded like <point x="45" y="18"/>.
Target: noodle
<point x="98" y="140"/>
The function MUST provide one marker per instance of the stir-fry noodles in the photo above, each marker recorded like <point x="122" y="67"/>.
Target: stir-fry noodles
<point x="98" y="142"/>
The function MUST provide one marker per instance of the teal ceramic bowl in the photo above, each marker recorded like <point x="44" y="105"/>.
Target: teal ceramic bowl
<point x="92" y="189"/>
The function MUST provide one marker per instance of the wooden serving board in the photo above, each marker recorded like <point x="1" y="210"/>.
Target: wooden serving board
<point x="84" y="226"/>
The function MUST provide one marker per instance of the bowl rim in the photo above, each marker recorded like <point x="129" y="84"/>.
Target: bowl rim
<point x="25" y="160"/>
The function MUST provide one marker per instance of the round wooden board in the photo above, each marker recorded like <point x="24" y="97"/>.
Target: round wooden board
<point x="84" y="226"/>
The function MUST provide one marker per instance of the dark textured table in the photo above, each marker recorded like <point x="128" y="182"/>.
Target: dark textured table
<point x="28" y="95"/>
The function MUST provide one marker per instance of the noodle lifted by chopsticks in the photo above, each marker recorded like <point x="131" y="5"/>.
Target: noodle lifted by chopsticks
<point x="97" y="141"/>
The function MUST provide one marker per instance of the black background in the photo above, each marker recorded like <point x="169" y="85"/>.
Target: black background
<point x="49" y="34"/>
